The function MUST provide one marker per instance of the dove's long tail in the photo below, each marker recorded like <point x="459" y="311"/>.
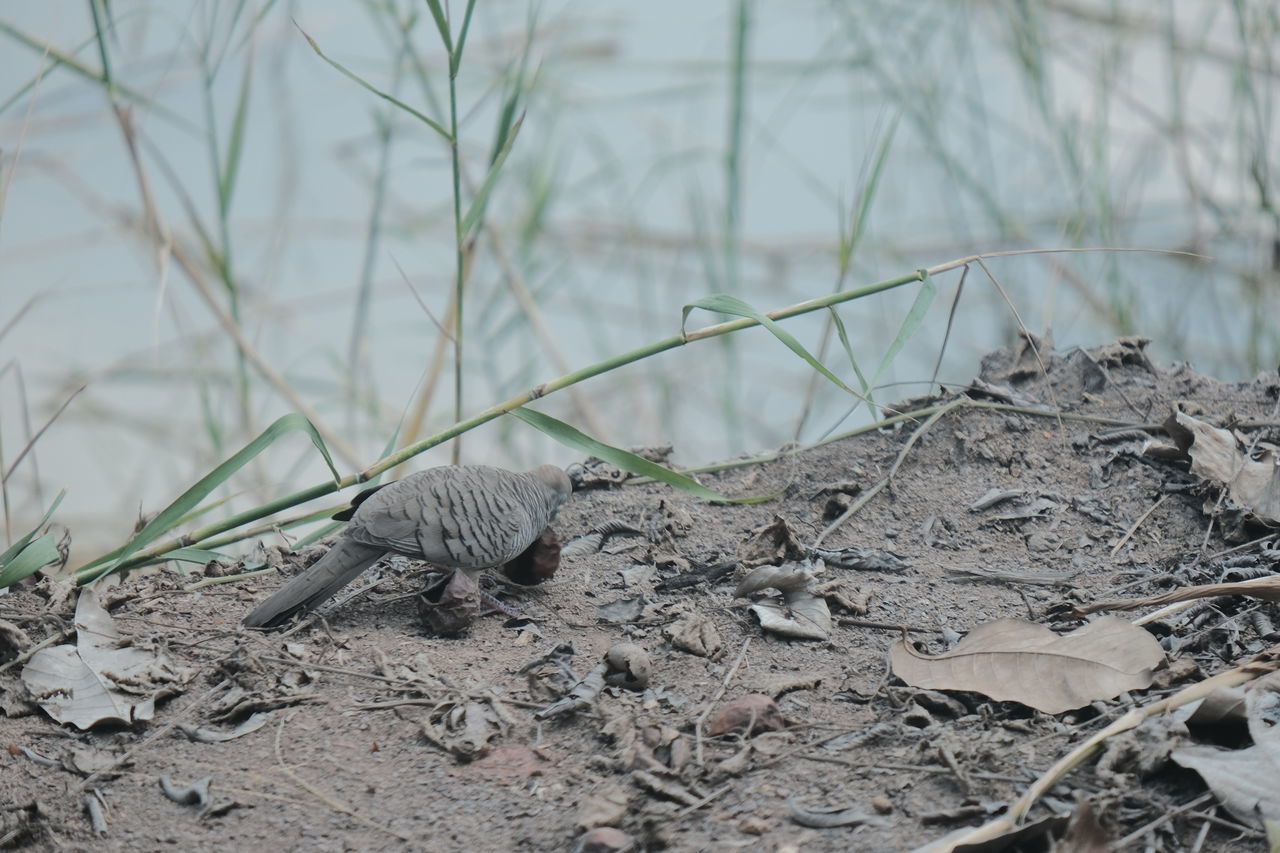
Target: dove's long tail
<point x="345" y="560"/>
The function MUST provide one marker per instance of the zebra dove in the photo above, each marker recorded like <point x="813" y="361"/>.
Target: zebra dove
<point x="467" y="517"/>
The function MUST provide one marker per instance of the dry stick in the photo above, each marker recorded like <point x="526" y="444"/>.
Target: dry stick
<point x="31" y="443"/>
<point x="1035" y="350"/>
<point x="724" y="685"/>
<point x="154" y="736"/>
<point x="153" y="226"/>
<point x="47" y="641"/>
<point x="870" y="493"/>
<point x="413" y="425"/>
<point x="1133" y="528"/>
<point x="330" y="801"/>
<point x="1123" y="843"/>
<point x="1179" y="606"/>
<point x="693" y="807"/>
<point x="1134" y="718"/>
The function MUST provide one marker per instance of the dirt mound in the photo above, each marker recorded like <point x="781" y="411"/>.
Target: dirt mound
<point x="1027" y="495"/>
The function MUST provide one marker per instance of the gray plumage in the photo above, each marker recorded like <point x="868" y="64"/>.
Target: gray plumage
<point x="467" y="517"/>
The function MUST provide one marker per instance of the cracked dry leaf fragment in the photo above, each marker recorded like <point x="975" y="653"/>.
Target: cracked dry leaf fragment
<point x="1020" y="661"/>
<point x="1251" y="482"/>
<point x="1244" y="780"/>
<point x="800" y="614"/>
<point x="102" y="677"/>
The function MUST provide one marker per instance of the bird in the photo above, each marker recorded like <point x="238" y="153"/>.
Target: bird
<point x="467" y="517"/>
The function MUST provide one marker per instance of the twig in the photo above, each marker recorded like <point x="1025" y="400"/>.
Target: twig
<point x="885" y="626"/>
<point x="1124" y="843"/>
<point x="1133" y="528"/>
<point x="93" y="804"/>
<point x="333" y="803"/>
<point x="154" y="736"/>
<point x="32" y="442"/>
<point x="1131" y="720"/>
<point x="870" y="493"/>
<point x="47" y="641"/>
<point x="724" y="685"/>
<point x="693" y="807"/>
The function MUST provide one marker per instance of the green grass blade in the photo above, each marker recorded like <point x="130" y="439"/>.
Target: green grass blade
<point x="29" y="560"/>
<point x="848" y="348"/>
<point x="316" y="535"/>
<point x="174" y="512"/>
<point x="910" y="323"/>
<point x="431" y="123"/>
<point x="476" y="210"/>
<point x="456" y="59"/>
<point x="571" y="437"/>
<point x="725" y="303"/>
<point x="13" y="550"/>
<point x="849" y="245"/>
<point x="235" y="143"/>
<point x="194" y="555"/>
<point x="442" y="24"/>
<point x="66" y="60"/>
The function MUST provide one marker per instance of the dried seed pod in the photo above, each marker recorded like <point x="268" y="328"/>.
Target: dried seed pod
<point x="749" y="714"/>
<point x="537" y="563"/>
<point x="628" y="665"/>
<point x="450" y="609"/>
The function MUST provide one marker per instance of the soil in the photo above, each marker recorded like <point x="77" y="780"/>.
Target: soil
<point x="380" y="737"/>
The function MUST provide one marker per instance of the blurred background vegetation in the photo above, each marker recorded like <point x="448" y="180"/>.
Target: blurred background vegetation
<point x="206" y="223"/>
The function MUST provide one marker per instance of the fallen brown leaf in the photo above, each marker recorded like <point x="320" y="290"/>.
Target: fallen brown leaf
<point x="1020" y="661"/>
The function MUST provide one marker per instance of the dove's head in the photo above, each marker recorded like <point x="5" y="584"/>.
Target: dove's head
<point x="556" y="482"/>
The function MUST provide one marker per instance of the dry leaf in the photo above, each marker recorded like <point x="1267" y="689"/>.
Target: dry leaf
<point x="101" y="678"/>
<point x="752" y="713"/>
<point x="800" y="614"/>
<point x="694" y="633"/>
<point x="1020" y="661"/>
<point x="1217" y="456"/>
<point x="771" y="544"/>
<point x="1244" y="780"/>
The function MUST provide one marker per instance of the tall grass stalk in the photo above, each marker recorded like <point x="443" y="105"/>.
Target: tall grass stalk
<point x="103" y="564"/>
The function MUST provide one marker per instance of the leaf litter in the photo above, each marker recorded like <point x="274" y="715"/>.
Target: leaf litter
<point x="372" y="717"/>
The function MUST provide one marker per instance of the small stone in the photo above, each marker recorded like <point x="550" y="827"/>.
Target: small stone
<point x="882" y="804"/>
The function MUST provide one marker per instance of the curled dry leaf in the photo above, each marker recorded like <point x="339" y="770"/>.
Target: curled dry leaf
<point x="800" y="614"/>
<point x="628" y="665"/>
<point x="102" y="677"/>
<point x="860" y="559"/>
<point x="773" y="543"/>
<point x="748" y="714"/>
<point x="13" y="641"/>
<point x="1019" y="661"/>
<point x="694" y="633"/>
<point x="582" y="695"/>
<point x="1252" y="483"/>
<point x="195" y="794"/>
<point x="1244" y="780"/>
<point x="604" y="839"/>
<point x="450" y="609"/>
<point x="829" y="817"/>
<point x="603" y="807"/>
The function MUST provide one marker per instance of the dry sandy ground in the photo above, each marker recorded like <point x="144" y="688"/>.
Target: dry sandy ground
<point x="379" y="737"/>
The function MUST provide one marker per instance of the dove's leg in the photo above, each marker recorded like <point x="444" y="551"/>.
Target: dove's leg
<point x="345" y="560"/>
